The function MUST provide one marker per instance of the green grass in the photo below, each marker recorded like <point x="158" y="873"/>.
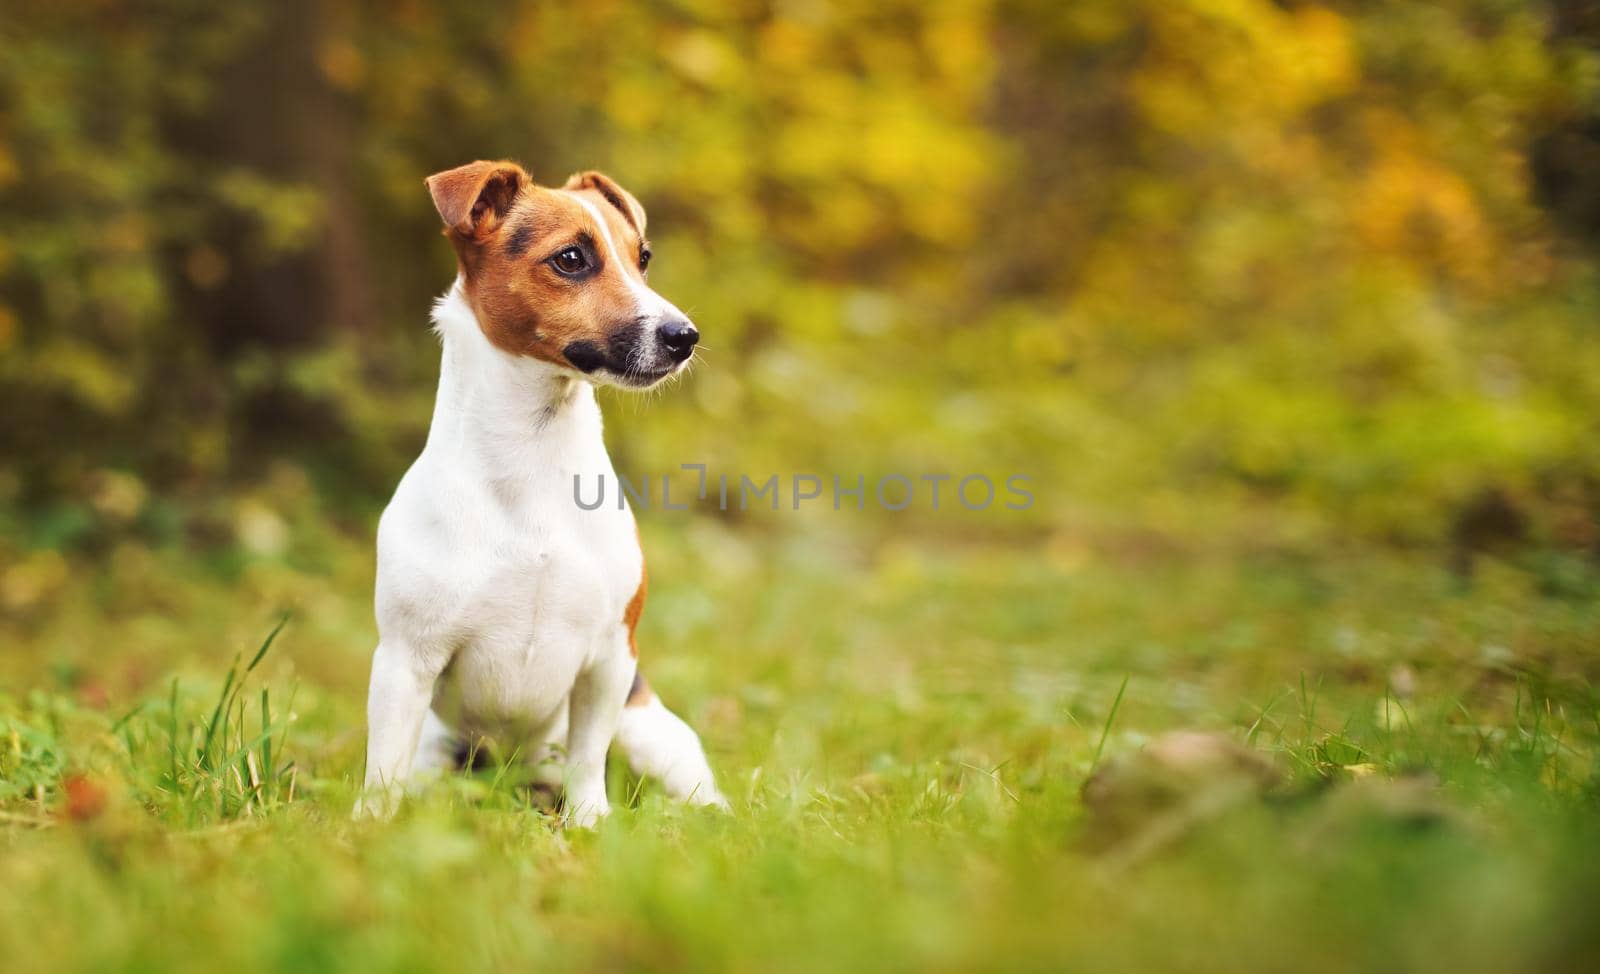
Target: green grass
<point x="905" y="732"/>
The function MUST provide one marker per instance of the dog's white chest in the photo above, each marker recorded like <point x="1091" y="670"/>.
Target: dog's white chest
<point x="503" y="568"/>
<point x="553" y="596"/>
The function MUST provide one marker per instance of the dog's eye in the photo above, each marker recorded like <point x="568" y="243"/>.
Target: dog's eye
<point x="570" y="261"/>
<point x="644" y="259"/>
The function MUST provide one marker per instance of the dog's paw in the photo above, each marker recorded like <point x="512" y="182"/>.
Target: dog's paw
<point x="376" y="804"/>
<point x="585" y="814"/>
<point x="708" y="798"/>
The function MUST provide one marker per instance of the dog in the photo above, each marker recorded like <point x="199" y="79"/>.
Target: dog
<point x="496" y="592"/>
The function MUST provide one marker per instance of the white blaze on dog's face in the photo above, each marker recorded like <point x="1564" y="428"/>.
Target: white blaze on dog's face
<point x="560" y="274"/>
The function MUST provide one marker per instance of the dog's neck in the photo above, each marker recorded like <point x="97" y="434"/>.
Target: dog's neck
<point x="504" y="416"/>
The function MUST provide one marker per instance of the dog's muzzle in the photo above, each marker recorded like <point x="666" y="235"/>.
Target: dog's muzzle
<point x="639" y="354"/>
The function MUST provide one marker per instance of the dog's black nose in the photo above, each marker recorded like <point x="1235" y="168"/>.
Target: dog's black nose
<point x="679" y="336"/>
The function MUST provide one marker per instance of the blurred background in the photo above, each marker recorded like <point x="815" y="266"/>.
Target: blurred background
<point x="1240" y="277"/>
<point x="1289" y="310"/>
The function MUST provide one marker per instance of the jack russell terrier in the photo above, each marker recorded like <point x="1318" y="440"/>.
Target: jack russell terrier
<point x="496" y="592"/>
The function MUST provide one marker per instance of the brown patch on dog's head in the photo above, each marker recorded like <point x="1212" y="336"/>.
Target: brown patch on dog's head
<point x="615" y="196"/>
<point x="559" y="274"/>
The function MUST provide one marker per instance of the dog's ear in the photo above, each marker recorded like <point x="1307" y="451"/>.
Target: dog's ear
<point x="613" y="193"/>
<point x="473" y="199"/>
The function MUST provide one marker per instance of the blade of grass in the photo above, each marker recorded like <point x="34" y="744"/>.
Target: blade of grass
<point x="172" y="730"/>
<point x="123" y="720"/>
<point x="266" y="745"/>
<point x="266" y="644"/>
<point x="1105" y="731"/>
<point x="218" y="717"/>
<point x="1255" y="726"/>
<point x="288" y="715"/>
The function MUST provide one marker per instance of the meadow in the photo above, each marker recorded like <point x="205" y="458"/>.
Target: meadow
<point x="905" y="736"/>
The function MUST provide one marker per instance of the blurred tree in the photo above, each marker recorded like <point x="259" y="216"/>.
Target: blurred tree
<point x="1183" y="261"/>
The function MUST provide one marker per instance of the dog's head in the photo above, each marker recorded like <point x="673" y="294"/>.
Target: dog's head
<point x="561" y="274"/>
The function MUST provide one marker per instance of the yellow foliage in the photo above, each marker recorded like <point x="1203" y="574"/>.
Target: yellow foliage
<point x="1251" y="254"/>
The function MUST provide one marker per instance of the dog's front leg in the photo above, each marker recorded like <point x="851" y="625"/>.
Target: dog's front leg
<point x="397" y="703"/>
<point x="596" y="708"/>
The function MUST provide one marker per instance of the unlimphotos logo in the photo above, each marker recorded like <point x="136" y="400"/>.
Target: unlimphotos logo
<point x="890" y="492"/>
